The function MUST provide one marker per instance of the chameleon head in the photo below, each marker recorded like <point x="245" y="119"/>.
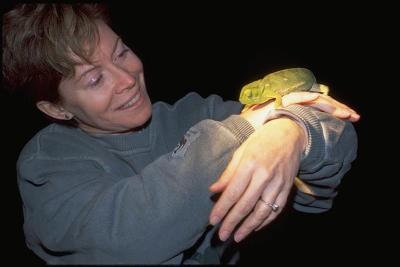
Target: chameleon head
<point x="256" y="93"/>
<point x="250" y="92"/>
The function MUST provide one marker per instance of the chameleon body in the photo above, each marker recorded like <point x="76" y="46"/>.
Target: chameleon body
<point x="274" y="86"/>
<point x="277" y="84"/>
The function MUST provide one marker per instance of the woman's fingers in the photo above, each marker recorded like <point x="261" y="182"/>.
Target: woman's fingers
<point x="298" y="98"/>
<point x="262" y="208"/>
<point x="237" y="185"/>
<point x="258" y="168"/>
<point x="322" y="102"/>
<point x="264" y="213"/>
<point x="260" y="213"/>
<point x="335" y="108"/>
<point x="259" y="181"/>
<point x="281" y="201"/>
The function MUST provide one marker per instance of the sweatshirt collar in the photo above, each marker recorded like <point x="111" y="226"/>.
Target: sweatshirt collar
<point x="129" y="141"/>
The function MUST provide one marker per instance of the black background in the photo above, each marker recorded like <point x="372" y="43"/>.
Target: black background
<point x="212" y="48"/>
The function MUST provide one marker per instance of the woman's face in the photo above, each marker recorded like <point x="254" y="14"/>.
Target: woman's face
<point x="108" y="96"/>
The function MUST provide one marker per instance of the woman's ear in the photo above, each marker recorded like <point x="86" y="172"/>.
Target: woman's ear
<point x="53" y="110"/>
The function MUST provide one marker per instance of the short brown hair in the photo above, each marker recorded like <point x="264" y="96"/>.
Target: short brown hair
<point x="38" y="40"/>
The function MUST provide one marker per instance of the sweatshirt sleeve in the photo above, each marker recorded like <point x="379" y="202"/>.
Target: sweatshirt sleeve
<point x="76" y="212"/>
<point x="178" y="118"/>
<point x="332" y="147"/>
<point x="332" y="144"/>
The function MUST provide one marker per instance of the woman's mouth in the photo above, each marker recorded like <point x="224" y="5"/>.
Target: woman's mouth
<point x="133" y="102"/>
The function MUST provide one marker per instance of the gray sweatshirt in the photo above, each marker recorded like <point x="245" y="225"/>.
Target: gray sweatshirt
<point x="142" y="197"/>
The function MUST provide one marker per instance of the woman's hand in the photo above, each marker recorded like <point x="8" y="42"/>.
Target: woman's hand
<point x="322" y="102"/>
<point x="256" y="173"/>
<point x="256" y="115"/>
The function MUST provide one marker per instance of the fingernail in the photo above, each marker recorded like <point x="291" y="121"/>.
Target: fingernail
<point x="224" y="235"/>
<point x="214" y="220"/>
<point x="239" y="237"/>
<point x="212" y="186"/>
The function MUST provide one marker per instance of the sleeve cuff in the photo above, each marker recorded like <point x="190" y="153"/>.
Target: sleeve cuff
<point x="240" y="127"/>
<point x="316" y="143"/>
<point x="310" y="204"/>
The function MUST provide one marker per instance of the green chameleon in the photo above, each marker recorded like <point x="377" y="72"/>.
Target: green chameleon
<point x="274" y="86"/>
<point x="277" y="84"/>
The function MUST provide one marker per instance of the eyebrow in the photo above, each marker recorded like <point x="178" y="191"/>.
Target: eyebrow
<point x="115" y="45"/>
<point x="95" y="67"/>
<point x="86" y="72"/>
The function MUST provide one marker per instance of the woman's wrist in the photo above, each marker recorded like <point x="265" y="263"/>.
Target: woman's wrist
<point x="290" y="126"/>
<point x="258" y="114"/>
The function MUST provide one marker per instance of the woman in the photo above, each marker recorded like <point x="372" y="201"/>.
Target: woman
<point x="117" y="180"/>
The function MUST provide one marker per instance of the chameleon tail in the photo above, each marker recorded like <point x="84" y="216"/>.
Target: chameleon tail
<point x="303" y="187"/>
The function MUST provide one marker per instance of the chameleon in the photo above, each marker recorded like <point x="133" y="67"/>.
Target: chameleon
<point x="277" y="84"/>
<point x="274" y="86"/>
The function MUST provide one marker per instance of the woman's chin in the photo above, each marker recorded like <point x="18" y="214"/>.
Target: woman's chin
<point x="139" y="120"/>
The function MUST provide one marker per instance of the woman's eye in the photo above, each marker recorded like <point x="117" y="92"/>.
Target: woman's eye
<point x="95" y="81"/>
<point x="123" y="53"/>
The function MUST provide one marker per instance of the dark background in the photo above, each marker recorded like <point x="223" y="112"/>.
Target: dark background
<point x="211" y="48"/>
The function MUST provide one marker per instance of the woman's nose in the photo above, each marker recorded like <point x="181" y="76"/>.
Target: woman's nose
<point x="124" y="80"/>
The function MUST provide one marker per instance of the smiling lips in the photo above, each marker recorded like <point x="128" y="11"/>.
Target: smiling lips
<point x="132" y="101"/>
